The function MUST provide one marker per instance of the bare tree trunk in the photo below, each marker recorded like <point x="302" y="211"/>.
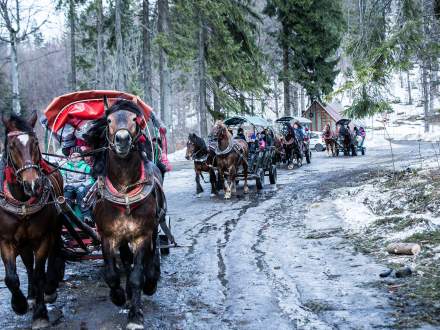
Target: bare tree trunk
<point x="146" y="52"/>
<point x="252" y="104"/>
<point x="424" y="59"/>
<point x="276" y="95"/>
<point x="408" y="81"/>
<point x="100" y="67"/>
<point x="16" y="108"/>
<point x="72" y="22"/>
<point x="202" y="79"/>
<point x="286" y="81"/>
<point x="425" y="89"/>
<point x="303" y="101"/>
<point x="295" y="100"/>
<point x="217" y="105"/>
<point x="433" y="67"/>
<point x="120" y="67"/>
<point x="164" y="74"/>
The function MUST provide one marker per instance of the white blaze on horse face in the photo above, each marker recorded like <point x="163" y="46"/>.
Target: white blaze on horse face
<point x="23" y="139"/>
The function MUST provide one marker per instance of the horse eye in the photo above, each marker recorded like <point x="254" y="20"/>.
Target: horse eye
<point x="109" y="121"/>
<point x="134" y="119"/>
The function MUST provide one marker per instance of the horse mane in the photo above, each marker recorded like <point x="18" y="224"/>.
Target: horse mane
<point x="222" y="125"/>
<point x="197" y="140"/>
<point x="20" y="124"/>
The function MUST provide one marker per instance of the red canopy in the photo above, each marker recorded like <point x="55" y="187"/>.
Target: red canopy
<point x="86" y="105"/>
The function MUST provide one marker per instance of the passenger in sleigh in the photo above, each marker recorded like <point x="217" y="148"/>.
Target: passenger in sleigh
<point x="77" y="182"/>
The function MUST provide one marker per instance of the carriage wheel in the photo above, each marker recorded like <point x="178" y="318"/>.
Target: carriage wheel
<point x="273" y="174"/>
<point x="259" y="181"/>
<point x="308" y="156"/>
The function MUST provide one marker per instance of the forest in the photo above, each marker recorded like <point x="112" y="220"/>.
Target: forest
<point x="196" y="61"/>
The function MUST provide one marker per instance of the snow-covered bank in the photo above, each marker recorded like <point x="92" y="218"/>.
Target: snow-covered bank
<point x="404" y="207"/>
<point x="177" y="156"/>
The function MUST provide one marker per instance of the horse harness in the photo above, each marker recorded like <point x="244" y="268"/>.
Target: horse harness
<point x="131" y="196"/>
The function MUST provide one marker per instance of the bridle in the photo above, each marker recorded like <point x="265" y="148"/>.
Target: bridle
<point x="27" y="165"/>
<point x="133" y="139"/>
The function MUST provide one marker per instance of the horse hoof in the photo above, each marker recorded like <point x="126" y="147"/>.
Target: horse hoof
<point x="213" y="195"/>
<point x="50" y="298"/>
<point x="246" y="190"/>
<point x="199" y="195"/>
<point x="118" y="296"/>
<point x="134" y="326"/>
<point x="228" y="196"/>
<point x="31" y="303"/>
<point x="135" y="319"/>
<point x="19" y="304"/>
<point x="40" y="324"/>
<point x="150" y="288"/>
<point x="290" y="167"/>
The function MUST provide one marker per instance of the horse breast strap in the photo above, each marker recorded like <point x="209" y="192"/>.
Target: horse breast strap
<point x="144" y="187"/>
<point x="22" y="209"/>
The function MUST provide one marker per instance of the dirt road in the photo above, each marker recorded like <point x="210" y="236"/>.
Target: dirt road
<point x="277" y="259"/>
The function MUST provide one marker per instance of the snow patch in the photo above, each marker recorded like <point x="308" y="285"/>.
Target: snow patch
<point x="177" y="156"/>
<point x="351" y="208"/>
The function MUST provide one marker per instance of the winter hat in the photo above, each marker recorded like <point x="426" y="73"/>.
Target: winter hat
<point x="75" y="150"/>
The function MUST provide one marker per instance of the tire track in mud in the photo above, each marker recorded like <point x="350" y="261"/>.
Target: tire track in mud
<point x="288" y="297"/>
<point x="229" y="227"/>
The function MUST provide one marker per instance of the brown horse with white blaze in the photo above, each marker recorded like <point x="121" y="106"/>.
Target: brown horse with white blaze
<point x="131" y="205"/>
<point x="230" y="155"/>
<point x="30" y="224"/>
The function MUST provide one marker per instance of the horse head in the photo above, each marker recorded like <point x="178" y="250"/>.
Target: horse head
<point x="220" y="132"/>
<point x="125" y="122"/>
<point x="194" y="146"/>
<point x="23" y="154"/>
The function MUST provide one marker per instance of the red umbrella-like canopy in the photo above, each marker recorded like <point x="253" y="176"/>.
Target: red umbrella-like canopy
<point x="86" y="105"/>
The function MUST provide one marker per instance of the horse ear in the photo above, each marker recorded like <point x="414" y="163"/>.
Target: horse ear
<point x="7" y="123"/>
<point x="33" y="119"/>
<point x="105" y="104"/>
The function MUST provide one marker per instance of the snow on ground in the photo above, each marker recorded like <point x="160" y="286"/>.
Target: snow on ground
<point x="351" y="207"/>
<point x="177" y="156"/>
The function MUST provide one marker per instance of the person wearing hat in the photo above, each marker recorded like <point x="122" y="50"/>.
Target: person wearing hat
<point x="77" y="181"/>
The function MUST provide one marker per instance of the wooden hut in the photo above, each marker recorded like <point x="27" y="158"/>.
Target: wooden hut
<point x="320" y="115"/>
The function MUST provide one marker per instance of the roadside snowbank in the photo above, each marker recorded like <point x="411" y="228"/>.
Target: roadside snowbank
<point x="177" y="156"/>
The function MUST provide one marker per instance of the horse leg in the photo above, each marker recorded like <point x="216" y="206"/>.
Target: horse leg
<point x="40" y="319"/>
<point x="290" y="159"/>
<point x="213" y="180"/>
<point x="152" y="268"/>
<point x="232" y="176"/>
<point x="136" y="281"/>
<point x="228" y="185"/>
<point x="127" y="261"/>
<point x="9" y="255"/>
<point x="27" y="255"/>
<point x="199" y="186"/>
<point x="55" y="269"/>
<point x="245" y="175"/>
<point x="111" y="275"/>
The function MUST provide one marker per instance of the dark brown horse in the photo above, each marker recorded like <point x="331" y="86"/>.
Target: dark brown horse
<point x="203" y="158"/>
<point x="131" y="205"/>
<point x="30" y="224"/>
<point x="329" y="139"/>
<point x="230" y="155"/>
